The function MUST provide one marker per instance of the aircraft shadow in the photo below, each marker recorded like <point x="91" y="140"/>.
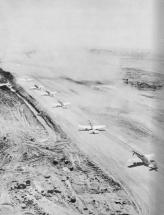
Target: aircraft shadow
<point x="136" y="164"/>
<point x="154" y="169"/>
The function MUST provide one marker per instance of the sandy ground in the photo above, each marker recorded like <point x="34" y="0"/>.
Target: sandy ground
<point x="42" y="170"/>
<point x="132" y="119"/>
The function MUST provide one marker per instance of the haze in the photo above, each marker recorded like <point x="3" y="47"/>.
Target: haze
<point x="88" y="23"/>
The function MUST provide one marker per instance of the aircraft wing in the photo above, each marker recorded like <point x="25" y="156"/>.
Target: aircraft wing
<point x="53" y="92"/>
<point x="33" y="88"/>
<point x="142" y="157"/>
<point x="56" y="105"/>
<point x="99" y="127"/>
<point x="84" y="127"/>
<point x="150" y="156"/>
<point x="66" y="103"/>
<point x="133" y="161"/>
<point x="93" y="131"/>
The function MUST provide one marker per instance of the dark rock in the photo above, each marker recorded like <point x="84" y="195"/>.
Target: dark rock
<point x="23" y="206"/>
<point x="28" y="182"/>
<point x="50" y="191"/>
<point x="4" y="138"/>
<point x="66" y="162"/>
<point x="124" y="214"/>
<point x="85" y="209"/>
<point x="117" y="202"/>
<point x="55" y="162"/>
<point x="21" y="186"/>
<point x="73" y="200"/>
<point x="57" y="191"/>
<point x="47" y="176"/>
<point x="104" y="190"/>
<point x="71" y="168"/>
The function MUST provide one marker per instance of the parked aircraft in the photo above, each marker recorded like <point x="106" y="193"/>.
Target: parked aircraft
<point x="36" y="87"/>
<point x="61" y="104"/>
<point x="93" y="129"/>
<point x="145" y="159"/>
<point x="49" y="93"/>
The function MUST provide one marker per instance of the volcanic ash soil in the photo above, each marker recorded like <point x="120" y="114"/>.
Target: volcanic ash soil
<point x="45" y="174"/>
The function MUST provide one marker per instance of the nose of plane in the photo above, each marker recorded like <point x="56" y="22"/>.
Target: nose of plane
<point x="153" y="165"/>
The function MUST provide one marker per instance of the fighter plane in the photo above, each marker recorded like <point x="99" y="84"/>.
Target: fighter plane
<point x="36" y="87"/>
<point x="145" y="159"/>
<point x="93" y="129"/>
<point x="61" y="104"/>
<point x="49" y="93"/>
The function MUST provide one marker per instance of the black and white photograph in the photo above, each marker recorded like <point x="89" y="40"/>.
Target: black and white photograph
<point x="81" y="107"/>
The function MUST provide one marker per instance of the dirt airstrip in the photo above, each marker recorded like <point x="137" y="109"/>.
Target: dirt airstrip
<point x="42" y="171"/>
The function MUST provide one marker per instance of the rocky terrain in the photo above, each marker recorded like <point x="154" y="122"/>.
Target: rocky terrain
<point x="143" y="80"/>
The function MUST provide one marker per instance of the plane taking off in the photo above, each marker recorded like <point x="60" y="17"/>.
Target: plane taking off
<point x="145" y="159"/>
<point x="61" y="104"/>
<point x="93" y="129"/>
<point x="49" y="93"/>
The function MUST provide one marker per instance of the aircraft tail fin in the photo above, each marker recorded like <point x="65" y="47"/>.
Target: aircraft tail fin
<point x="133" y="152"/>
<point x="90" y="123"/>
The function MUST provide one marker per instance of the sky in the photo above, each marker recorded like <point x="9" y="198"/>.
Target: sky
<point x="47" y="24"/>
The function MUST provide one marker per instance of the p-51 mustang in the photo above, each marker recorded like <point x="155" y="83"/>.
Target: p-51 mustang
<point x="145" y="159"/>
<point x="93" y="129"/>
<point x="49" y="93"/>
<point x="61" y="104"/>
<point x="36" y="87"/>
